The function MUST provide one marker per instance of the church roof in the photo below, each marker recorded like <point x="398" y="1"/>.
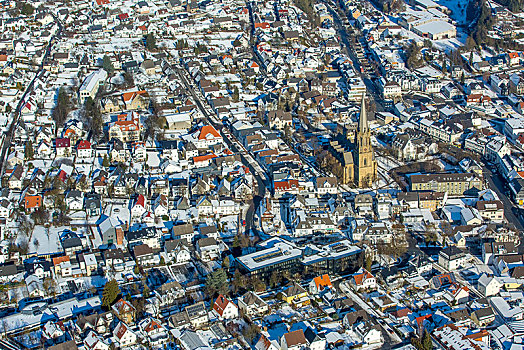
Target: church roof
<point x="363" y="118"/>
<point x="348" y="158"/>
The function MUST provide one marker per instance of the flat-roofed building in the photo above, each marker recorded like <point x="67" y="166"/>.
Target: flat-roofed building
<point x="277" y="254"/>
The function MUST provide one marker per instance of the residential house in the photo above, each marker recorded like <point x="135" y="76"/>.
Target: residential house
<point x="208" y="249"/>
<point x="451" y="258"/>
<point x="294" y="294"/>
<point x="124" y="335"/>
<point x="63" y="147"/>
<point x="177" y="251"/>
<point x="124" y="311"/>
<point x="279" y="119"/>
<point x="363" y="280"/>
<point x="320" y="284"/>
<point x="197" y="314"/>
<point x="225" y="308"/>
<point x="252" y="305"/>
<point x="144" y="255"/>
<point x="295" y="340"/>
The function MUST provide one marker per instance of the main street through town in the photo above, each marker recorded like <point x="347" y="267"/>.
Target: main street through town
<point x="497" y="184"/>
<point x="251" y="225"/>
<point x="342" y="30"/>
<point x="8" y="134"/>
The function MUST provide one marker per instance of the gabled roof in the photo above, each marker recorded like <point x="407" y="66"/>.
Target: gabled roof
<point x="62" y="142"/>
<point x="122" y="307"/>
<point x="140" y="200"/>
<point x="221" y="303"/>
<point x="322" y="282"/>
<point x="152" y="325"/>
<point x="208" y="129"/>
<point x="84" y="144"/>
<point x="295" y="338"/>
<point x="294" y="289"/>
<point x="121" y="329"/>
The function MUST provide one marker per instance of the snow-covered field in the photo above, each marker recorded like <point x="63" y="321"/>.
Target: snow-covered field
<point x="458" y="9"/>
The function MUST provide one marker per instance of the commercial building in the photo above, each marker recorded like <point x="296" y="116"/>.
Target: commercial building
<point x="453" y="183"/>
<point x="277" y="254"/>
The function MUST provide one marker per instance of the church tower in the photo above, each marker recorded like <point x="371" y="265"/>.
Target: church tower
<point x="365" y="163"/>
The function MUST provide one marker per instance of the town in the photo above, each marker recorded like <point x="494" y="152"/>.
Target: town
<point x="262" y="174"/>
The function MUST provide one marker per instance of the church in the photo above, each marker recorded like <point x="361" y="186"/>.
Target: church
<point x="354" y="153"/>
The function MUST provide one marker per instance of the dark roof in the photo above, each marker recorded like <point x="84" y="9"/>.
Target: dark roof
<point x="173" y="244"/>
<point x="206" y="230"/>
<point x="452" y="252"/>
<point x="69" y="345"/>
<point x="71" y="242"/>
<point x="114" y="254"/>
<point x="207" y="242"/>
<point x="141" y="250"/>
<point x="8" y="269"/>
<point x="182" y="229"/>
<point x="484" y="313"/>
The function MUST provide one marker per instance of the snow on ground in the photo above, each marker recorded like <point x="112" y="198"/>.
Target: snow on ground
<point x="117" y="43"/>
<point x="84" y="168"/>
<point x="43" y="164"/>
<point x="44" y="241"/>
<point x="451" y="44"/>
<point x="153" y="159"/>
<point x="230" y="223"/>
<point x="386" y="163"/>
<point x="118" y="210"/>
<point x="458" y="9"/>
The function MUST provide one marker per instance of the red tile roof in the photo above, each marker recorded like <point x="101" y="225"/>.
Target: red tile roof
<point x="121" y="330"/>
<point x="152" y="325"/>
<point x="140" y="200"/>
<point x="33" y="201"/>
<point x="206" y="130"/>
<point x="60" y="259"/>
<point x="62" y="143"/>
<point x="322" y="282"/>
<point x="204" y="158"/>
<point x="220" y="304"/>
<point x="361" y="277"/>
<point x="84" y="144"/>
<point x="295" y="338"/>
<point x="285" y="185"/>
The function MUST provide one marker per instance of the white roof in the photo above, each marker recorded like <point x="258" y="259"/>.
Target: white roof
<point x="92" y="79"/>
<point x="503" y="308"/>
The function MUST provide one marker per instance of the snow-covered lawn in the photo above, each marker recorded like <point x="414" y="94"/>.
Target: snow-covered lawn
<point x="458" y="9"/>
<point x="44" y="241"/>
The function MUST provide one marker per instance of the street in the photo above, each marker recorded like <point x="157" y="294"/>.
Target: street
<point x="342" y="31"/>
<point x="496" y="183"/>
<point x="390" y="337"/>
<point x="232" y="143"/>
<point x="9" y="134"/>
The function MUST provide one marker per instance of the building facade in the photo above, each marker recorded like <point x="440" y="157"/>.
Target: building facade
<point x="356" y="158"/>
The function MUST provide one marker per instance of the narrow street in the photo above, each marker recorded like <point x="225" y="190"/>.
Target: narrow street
<point x="344" y="38"/>
<point x="251" y="225"/>
<point x="390" y="337"/>
<point x="17" y="113"/>
<point x="496" y="183"/>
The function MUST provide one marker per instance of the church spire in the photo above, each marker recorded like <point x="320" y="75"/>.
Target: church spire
<point x="363" y="118"/>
